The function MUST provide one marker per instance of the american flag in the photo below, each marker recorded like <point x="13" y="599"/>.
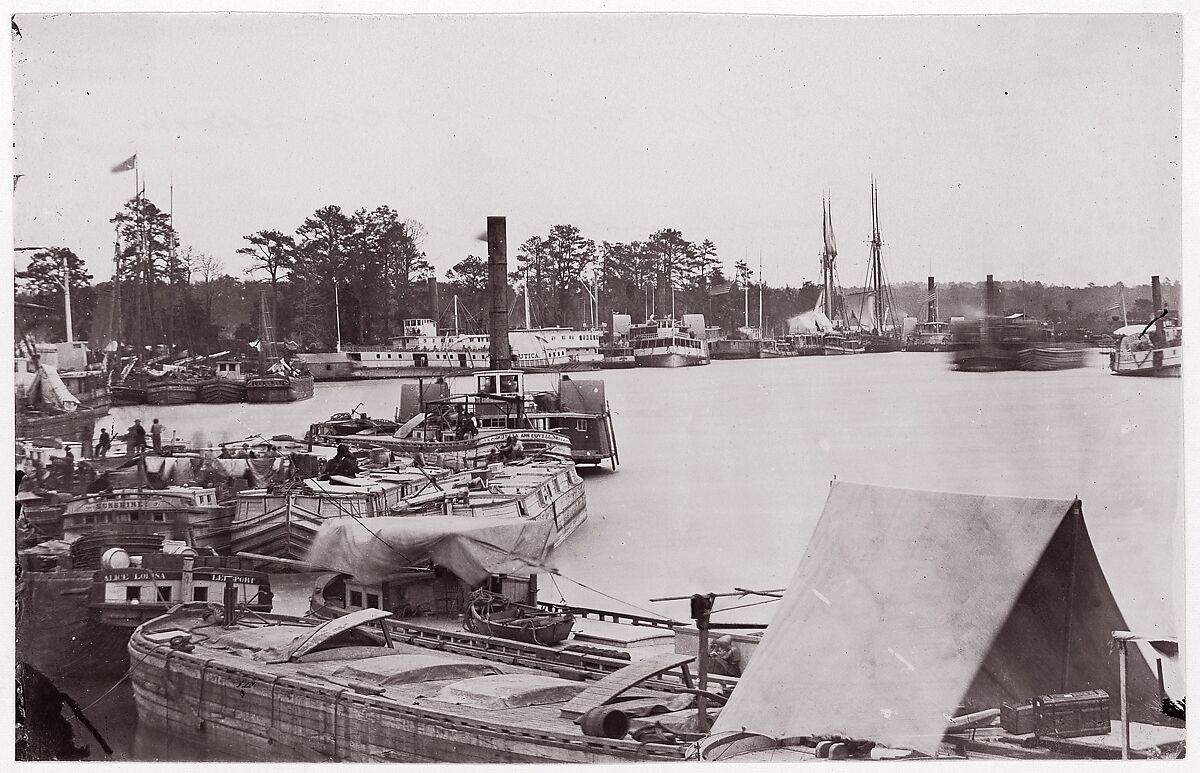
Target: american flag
<point x="126" y="165"/>
<point x="1115" y="307"/>
<point x="720" y="289"/>
<point x="932" y="297"/>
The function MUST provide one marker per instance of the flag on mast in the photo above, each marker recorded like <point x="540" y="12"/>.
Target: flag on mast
<point x="721" y="288"/>
<point x="932" y="297"/>
<point x="127" y="165"/>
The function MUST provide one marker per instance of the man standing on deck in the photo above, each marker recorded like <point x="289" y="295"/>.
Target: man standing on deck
<point x="103" y="444"/>
<point x="136" y="439"/>
<point x="156" y="431"/>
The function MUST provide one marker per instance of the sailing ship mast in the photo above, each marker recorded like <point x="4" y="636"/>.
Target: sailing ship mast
<point x="828" y="256"/>
<point x="266" y="338"/>
<point x="877" y="261"/>
<point x="760" y="295"/>
<point x="877" y="288"/>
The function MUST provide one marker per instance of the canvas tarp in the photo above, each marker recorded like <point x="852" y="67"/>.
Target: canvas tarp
<point x="374" y="549"/>
<point x="908" y="604"/>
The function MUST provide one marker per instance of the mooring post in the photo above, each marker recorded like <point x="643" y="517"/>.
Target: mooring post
<point x="701" y="609"/>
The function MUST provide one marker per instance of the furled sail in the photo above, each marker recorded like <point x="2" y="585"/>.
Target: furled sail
<point x="827" y="229"/>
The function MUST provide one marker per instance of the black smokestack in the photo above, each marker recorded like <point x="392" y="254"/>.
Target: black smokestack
<point x="989" y="298"/>
<point x="931" y="314"/>
<point x="497" y="239"/>
<point x="1156" y="298"/>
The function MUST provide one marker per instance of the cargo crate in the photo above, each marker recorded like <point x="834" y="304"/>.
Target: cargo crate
<point x="1018" y="719"/>
<point x="1068" y="715"/>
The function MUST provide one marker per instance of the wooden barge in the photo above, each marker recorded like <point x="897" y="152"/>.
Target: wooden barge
<point x="278" y="687"/>
<point x="78" y="602"/>
<point x="281" y="521"/>
<point x="188" y="513"/>
<point x="279" y="388"/>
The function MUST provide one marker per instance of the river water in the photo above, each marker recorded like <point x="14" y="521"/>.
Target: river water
<point x="725" y="469"/>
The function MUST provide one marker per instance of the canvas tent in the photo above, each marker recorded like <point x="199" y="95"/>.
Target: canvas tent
<point x="374" y="549"/>
<point x="908" y="605"/>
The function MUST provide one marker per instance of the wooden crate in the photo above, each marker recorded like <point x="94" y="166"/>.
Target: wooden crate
<point x="1068" y="715"/>
<point x="1018" y="719"/>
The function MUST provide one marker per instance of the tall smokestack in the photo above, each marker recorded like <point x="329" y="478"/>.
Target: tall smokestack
<point x="1156" y="298"/>
<point x="931" y="314"/>
<point x="989" y="298"/>
<point x="497" y="239"/>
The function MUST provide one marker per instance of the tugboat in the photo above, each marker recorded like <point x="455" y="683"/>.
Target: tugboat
<point x="552" y="415"/>
<point x="930" y="335"/>
<point x="1010" y="343"/>
<point x="1156" y="351"/>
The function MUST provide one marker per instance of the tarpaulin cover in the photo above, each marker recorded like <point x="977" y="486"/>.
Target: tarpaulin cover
<point x="907" y="604"/>
<point x="374" y="549"/>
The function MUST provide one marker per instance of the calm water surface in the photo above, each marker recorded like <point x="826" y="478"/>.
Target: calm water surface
<point x="725" y="469"/>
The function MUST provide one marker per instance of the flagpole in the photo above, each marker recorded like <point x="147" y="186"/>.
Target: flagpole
<point x="1123" y="314"/>
<point x="67" y="294"/>
<point x="760" y="294"/>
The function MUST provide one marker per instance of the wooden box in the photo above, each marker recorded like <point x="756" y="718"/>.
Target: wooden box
<point x="1017" y="720"/>
<point x="1067" y="715"/>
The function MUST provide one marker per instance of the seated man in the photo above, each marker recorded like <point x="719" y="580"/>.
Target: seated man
<point x="343" y="463"/>
<point x="724" y="658"/>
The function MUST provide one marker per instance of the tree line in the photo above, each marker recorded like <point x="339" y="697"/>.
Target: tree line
<point x="370" y="265"/>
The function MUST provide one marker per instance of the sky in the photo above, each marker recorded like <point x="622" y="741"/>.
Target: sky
<point x="1044" y="147"/>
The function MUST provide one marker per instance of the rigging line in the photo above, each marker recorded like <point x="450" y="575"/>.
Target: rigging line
<point x="391" y="547"/>
<point x="561" y="597"/>
<point x="128" y="673"/>
<point x="607" y="596"/>
<point x="743" y="606"/>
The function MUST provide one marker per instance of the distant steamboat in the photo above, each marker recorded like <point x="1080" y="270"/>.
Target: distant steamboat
<point x="421" y="351"/>
<point x="666" y="343"/>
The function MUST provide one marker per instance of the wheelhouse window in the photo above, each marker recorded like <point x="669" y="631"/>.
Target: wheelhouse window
<point x="355" y="598"/>
<point x="200" y="593"/>
<point x="133" y="593"/>
<point x="164" y="592"/>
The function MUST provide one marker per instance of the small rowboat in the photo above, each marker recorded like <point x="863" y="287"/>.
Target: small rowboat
<point x="491" y="614"/>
